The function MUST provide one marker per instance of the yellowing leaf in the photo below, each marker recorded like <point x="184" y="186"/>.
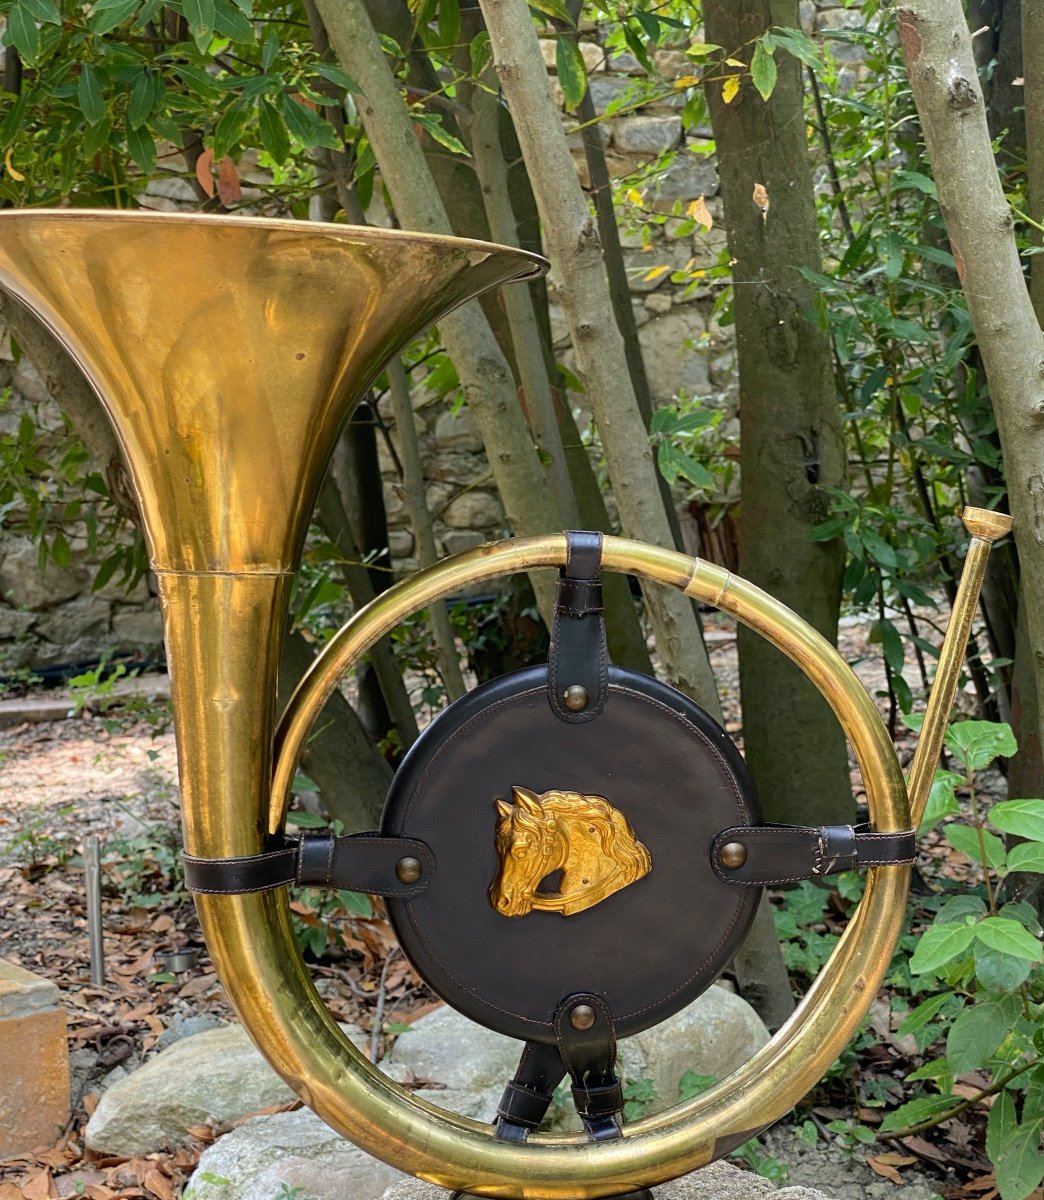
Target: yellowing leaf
<point x="698" y="49"/>
<point x="635" y="197"/>
<point x="686" y="81"/>
<point x="735" y="62"/>
<point x="729" y="88"/>
<point x="699" y="211"/>
<point x="11" y="170"/>
<point x="655" y="273"/>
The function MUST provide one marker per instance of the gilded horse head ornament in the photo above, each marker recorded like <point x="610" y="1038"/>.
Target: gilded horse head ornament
<point x="583" y="837"/>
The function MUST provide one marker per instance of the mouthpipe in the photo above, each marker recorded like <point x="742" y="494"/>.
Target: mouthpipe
<point x="985" y="528"/>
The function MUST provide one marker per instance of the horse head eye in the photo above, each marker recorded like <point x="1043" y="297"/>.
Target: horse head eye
<point x="521" y="850"/>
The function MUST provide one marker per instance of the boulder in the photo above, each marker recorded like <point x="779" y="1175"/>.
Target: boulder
<point x="24" y="584"/>
<point x="719" y="1181"/>
<point x="647" y="135"/>
<point x="213" y="1077"/>
<point x="291" y="1153"/>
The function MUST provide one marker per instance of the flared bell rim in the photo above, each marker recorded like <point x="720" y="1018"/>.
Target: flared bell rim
<point x="531" y="265"/>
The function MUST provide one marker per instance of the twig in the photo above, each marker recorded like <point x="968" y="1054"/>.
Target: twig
<point x="998" y="1085"/>
<point x="378" y="1018"/>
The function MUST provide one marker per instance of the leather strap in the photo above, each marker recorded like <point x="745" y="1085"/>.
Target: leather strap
<point x="528" y="1096"/>
<point x="776" y="854"/>
<point x="589" y="1055"/>
<point x="363" y="862"/>
<point x="579" y="655"/>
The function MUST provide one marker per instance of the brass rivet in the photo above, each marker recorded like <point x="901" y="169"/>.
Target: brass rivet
<point x="576" y="698"/>
<point x="582" y="1017"/>
<point x="408" y="870"/>
<point x="732" y="855"/>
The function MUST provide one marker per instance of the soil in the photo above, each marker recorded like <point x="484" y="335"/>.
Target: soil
<point x="115" y="776"/>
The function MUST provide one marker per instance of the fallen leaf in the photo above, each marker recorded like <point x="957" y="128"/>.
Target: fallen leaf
<point x="205" y="171"/>
<point x="228" y="182"/>
<point x="885" y="1170"/>
<point x="10" y="168"/>
<point x="699" y="211"/>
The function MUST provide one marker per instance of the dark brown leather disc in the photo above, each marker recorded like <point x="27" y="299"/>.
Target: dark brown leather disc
<point x="648" y="948"/>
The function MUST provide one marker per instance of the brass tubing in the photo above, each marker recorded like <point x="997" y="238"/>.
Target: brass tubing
<point x="985" y="527"/>
<point x="277" y="1002"/>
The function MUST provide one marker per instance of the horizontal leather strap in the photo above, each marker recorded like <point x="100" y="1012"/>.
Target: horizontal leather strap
<point x="363" y="862"/>
<point x="760" y="855"/>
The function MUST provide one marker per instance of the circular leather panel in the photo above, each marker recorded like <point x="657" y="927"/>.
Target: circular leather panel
<point x="656" y="760"/>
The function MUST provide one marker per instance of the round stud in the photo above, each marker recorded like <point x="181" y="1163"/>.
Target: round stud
<point x="576" y="698"/>
<point x="582" y="1017"/>
<point x="408" y="870"/>
<point x="732" y="855"/>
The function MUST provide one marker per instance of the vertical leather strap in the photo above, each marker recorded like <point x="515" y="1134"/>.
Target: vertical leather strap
<point x="586" y="1037"/>
<point x="528" y="1096"/>
<point x="578" y="661"/>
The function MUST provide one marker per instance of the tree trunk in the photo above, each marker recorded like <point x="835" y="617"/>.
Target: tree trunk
<point x="791" y="445"/>
<point x="484" y="373"/>
<point x="420" y="518"/>
<point x="937" y="48"/>
<point x="1033" y="100"/>
<point x="579" y="279"/>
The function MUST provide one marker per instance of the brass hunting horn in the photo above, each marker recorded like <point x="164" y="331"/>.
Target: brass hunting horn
<point x="228" y="354"/>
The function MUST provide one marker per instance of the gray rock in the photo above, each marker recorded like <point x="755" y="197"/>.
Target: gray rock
<point x="455" y="540"/>
<point x="271" y="1156"/>
<point x="23" y="584"/>
<point x="474" y="510"/>
<point x="454" y="467"/>
<point x="183" y="1027"/>
<point x="457" y="431"/>
<point x="672" y="64"/>
<point x="718" y="1181"/>
<point x="673" y="366"/>
<point x="687" y="178"/>
<point x="400" y="543"/>
<point x="471" y="1062"/>
<point x="647" y="135"/>
<point x="84" y="617"/>
<point x="138" y="629"/>
<point x="216" y="1076"/>
<point x="605" y="89"/>
<point x="15" y="624"/>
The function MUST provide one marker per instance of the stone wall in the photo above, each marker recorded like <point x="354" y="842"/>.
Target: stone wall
<point x="53" y="617"/>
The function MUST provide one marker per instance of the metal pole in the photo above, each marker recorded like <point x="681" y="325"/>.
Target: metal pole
<point x="95" y="934"/>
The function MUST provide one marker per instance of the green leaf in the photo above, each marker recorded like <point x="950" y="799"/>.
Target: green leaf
<point x="978" y="743"/>
<point x="108" y="14"/>
<point x="552" y="8"/>
<point x="965" y="839"/>
<point x="959" y="908"/>
<point x="481" y="53"/>
<point x="200" y="15"/>
<point x="673" y="462"/>
<point x="939" y="945"/>
<point x="999" y="972"/>
<point x="941" y="799"/>
<point x="692" y="1084"/>
<point x="891" y="644"/>
<point x="797" y="44"/>
<point x="432" y="123"/>
<point x="890" y="248"/>
<point x="854" y="253"/>
<point x="1019" y="1166"/>
<point x="926" y="1011"/>
<point x="763" y="69"/>
<point x="44" y="11"/>
<point x="356" y="902"/>
<point x="231" y="22"/>
<point x="96" y="137"/>
<point x="1000" y="1124"/>
<point x="919" y="1110"/>
<point x="89" y="94"/>
<point x="22" y="32"/>
<point x="572" y="72"/>
<point x="1024" y="818"/>
<point x="274" y="136"/>
<point x="1027" y="856"/>
<point x="449" y="23"/>
<point x="879" y="549"/>
<point x="1008" y="936"/>
<point x="338" y="76"/>
<point x="914" y="179"/>
<point x="142" y="149"/>
<point x="230" y="127"/>
<point x="143" y="96"/>
<point x="979" y="1029"/>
